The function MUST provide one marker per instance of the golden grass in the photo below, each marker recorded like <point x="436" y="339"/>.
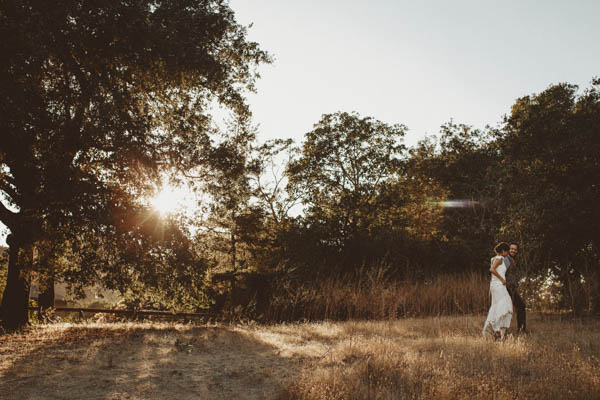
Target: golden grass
<point x="414" y="358"/>
<point x="374" y="298"/>
<point x="446" y="358"/>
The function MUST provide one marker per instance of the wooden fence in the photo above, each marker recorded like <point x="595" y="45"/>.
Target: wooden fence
<point x="135" y="313"/>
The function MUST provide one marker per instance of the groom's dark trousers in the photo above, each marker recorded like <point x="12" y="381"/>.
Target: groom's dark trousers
<point x="519" y="305"/>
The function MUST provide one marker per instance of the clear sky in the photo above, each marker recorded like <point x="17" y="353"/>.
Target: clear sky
<point x="419" y="63"/>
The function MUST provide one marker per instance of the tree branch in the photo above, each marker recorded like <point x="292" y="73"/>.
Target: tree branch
<point x="8" y="190"/>
<point x="9" y="218"/>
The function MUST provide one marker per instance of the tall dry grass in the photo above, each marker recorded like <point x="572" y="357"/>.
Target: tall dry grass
<point x="373" y="297"/>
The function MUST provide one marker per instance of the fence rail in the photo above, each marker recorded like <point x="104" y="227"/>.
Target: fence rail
<point x="132" y="312"/>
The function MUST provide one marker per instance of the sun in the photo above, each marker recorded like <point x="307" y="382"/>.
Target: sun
<point x="169" y="200"/>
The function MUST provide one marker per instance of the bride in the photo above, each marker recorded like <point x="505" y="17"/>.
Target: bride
<point x="500" y="314"/>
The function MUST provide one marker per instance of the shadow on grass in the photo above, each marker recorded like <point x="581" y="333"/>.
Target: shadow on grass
<point x="142" y="362"/>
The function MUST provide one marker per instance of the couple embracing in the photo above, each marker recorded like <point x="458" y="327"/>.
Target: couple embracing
<point x="505" y="293"/>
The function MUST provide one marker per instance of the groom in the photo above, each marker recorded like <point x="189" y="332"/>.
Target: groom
<point x="512" y="285"/>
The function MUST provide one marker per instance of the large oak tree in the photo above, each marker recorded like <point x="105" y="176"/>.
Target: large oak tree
<point x="97" y="99"/>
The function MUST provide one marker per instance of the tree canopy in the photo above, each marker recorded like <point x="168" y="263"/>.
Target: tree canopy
<point x="344" y="162"/>
<point x="100" y="98"/>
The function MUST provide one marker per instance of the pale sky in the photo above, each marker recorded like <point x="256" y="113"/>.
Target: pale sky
<point x="419" y="63"/>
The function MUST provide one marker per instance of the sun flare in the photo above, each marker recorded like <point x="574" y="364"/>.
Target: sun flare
<point x="169" y="200"/>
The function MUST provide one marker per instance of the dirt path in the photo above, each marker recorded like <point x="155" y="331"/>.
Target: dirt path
<point x="140" y="361"/>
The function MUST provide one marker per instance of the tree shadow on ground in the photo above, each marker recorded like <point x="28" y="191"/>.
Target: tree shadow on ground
<point x="145" y="362"/>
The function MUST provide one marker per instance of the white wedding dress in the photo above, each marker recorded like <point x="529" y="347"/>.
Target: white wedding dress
<point x="501" y="310"/>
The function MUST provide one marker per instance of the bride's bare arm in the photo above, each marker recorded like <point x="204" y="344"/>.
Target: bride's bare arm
<point x="495" y="265"/>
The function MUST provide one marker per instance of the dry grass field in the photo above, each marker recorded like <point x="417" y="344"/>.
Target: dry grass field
<point x="416" y="358"/>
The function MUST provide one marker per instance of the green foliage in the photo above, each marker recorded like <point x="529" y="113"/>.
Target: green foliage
<point x="109" y="96"/>
<point x="551" y="163"/>
<point x="344" y="159"/>
<point x="344" y="164"/>
<point x="231" y="226"/>
<point x="533" y="180"/>
<point x="462" y="165"/>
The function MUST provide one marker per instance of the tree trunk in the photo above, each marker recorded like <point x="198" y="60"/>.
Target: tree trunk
<point x="233" y="269"/>
<point x="15" y="300"/>
<point x="575" y="291"/>
<point x="46" y="296"/>
<point x="594" y="291"/>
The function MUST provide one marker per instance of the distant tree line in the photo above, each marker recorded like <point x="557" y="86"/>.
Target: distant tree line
<point x="434" y="209"/>
<point x="111" y="97"/>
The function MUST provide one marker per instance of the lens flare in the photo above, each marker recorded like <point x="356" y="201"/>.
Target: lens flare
<point x="455" y="203"/>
